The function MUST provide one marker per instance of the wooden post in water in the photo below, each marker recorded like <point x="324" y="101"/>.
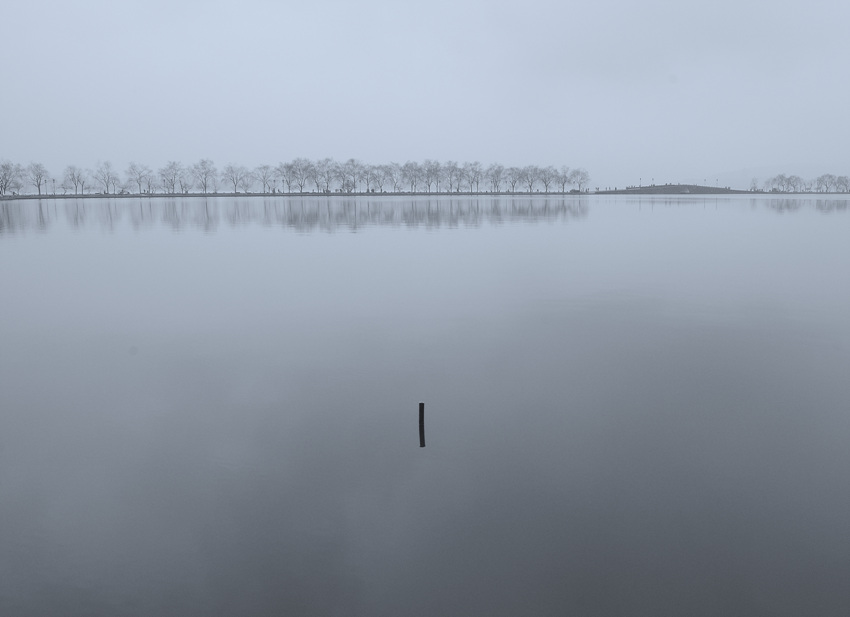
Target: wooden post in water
<point x="421" y="425"/>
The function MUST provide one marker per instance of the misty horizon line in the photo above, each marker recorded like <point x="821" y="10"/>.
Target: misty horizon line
<point x="327" y="176"/>
<point x="352" y="177"/>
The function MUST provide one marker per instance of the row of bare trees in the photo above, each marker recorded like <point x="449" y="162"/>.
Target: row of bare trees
<point x="299" y="175"/>
<point x="826" y="183"/>
<point x="14" y="177"/>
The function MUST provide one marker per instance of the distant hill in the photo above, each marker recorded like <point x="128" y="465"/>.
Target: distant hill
<point x="673" y="189"/>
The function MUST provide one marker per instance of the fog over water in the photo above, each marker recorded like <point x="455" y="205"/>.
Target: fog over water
<point x="632" y="406"/>
<point x="676" y="91"/>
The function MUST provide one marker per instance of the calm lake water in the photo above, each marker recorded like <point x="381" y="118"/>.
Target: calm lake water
<point x="632" y="406"/>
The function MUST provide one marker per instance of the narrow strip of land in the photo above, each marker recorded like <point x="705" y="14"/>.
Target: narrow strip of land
<point x="675" y="189"/>
<point x="652" y="189"/>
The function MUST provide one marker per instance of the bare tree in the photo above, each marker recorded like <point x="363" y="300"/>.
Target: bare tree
<point x="345" y="182"/>
<point x="84" y="178"/>
<point x="138" y="174"/>
<point x="563" y="178"/>
<point x="529" y="176"/>
<point x="580" y="178"/>
<point x="452" y="174"/>
<point x="249" y="181"/>
<point x="381" y="177"/>
<point x="370" y="176"/>
<point x="37" y="175"/>
<point x="776" y="183"/>
<point x="412" y="172"/>
<point x="235" y="175"/>
<point x="106" y="177"/>
<point x="395" y="175"/>
<point x="513" y="175"/>
<point x="205" y="175"/>
<point x="325" y="171"/>
<point x="150" y="183"/>
<point x="494" y="175"/>
<point x="185" y="180"/>
<point x="795" y="183"/>
<point x="350" y="175"/>
<point x="76" y="178"/>
<point x="431" y="174"/>
<point x="754" y="185"/>
<point x="825" y="183"/>
<point x="170" y="175"/>
<point x="316" y="176"/>
<point x="10" y="177"/>
<point x="265" y="176"/>
<point x="784" y="183"/>
<point x="285" y="171"/>
<point x="842" y="184"/>
<point x="301" y="172"/>
<point x="472" y="173"/>
<point x="547" y="176"/>
<point x="341" y="174"/>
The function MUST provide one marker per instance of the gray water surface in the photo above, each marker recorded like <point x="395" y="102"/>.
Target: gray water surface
<point x="632" y="406"/>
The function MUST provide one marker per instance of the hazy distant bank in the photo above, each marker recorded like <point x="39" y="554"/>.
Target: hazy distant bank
<point x="671" y="189"/>
<point x="676" y="189"/>
<point x="299" y="195"/>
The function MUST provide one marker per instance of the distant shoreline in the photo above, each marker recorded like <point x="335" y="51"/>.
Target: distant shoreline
<point x="664" y="189"/>
<point x="676" y="189"/>
<point x="282" y="194"/>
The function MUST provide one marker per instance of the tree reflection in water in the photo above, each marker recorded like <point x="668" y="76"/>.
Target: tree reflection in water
<point x="301" y="214"/>
<point x="332" y="214"/>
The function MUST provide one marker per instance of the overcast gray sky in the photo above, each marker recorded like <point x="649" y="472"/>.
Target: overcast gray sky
<point x="670" y="90"/>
